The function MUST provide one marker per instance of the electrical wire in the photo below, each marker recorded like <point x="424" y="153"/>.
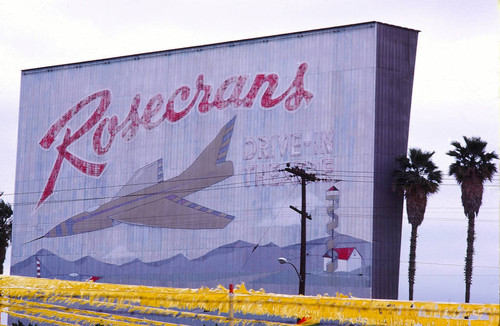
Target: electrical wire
<point x="270" y="181"/>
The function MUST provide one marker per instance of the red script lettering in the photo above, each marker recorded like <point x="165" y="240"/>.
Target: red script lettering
<point x="228" y="95"/>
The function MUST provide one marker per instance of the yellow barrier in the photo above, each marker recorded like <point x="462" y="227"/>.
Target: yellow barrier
<point x="54" y="301"/>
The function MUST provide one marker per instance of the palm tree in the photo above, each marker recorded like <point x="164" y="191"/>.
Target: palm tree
<point x="5" y="229"/>
<point x="471" y="168"/>
<point x="417" y="177"/>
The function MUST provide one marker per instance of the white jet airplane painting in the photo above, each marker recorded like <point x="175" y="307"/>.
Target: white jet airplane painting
<point x="148" y="200"/>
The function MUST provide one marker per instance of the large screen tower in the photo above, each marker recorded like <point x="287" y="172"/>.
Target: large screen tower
<point x="168" y="168"/>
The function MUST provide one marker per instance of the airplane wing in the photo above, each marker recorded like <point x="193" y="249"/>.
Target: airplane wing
<point x="174" y="212"/>
<point x="142" y="178"/>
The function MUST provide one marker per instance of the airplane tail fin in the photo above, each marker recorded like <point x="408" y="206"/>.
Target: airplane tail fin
<point x="227" y="133"/>
<point x="212" y="161"/>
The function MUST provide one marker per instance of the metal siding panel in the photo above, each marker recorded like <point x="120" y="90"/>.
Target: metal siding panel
<point x="395" y="68"/>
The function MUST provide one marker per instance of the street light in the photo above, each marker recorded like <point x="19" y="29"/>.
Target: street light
<point x="283" y="260"/>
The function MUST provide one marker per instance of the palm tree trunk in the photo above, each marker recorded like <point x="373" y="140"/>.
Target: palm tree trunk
<point x="412" y="264"/>
<point x="2" y="258"/>
<point x="469" y="256"/>
<point x="3" y="248"/>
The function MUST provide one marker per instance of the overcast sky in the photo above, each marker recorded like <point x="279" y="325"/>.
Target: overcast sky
<point x="456" y="90"/>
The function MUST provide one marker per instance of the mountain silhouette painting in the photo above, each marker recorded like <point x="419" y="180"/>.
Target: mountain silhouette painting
<point x="239" y="262"/>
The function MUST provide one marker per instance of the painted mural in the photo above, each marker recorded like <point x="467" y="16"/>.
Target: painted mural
<point x="162" y="203"/>
<point x="168" y="168"/>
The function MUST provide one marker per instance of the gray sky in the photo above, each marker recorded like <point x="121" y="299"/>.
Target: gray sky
<point x="456" y="90"/>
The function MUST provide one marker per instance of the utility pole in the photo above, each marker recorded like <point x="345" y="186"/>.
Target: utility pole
<point x="304" y="176"/>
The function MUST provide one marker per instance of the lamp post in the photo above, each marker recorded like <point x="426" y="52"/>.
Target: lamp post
<point x="283" y="260"/>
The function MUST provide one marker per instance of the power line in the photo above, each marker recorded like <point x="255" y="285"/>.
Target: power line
<point x="366" y="176"/>
<point x="281" y="180"/>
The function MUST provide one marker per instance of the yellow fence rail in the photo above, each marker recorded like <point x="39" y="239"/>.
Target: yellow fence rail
<point x="68" y="302"/>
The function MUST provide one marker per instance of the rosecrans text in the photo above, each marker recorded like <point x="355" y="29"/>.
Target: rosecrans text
<point x="180" y="102"/>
